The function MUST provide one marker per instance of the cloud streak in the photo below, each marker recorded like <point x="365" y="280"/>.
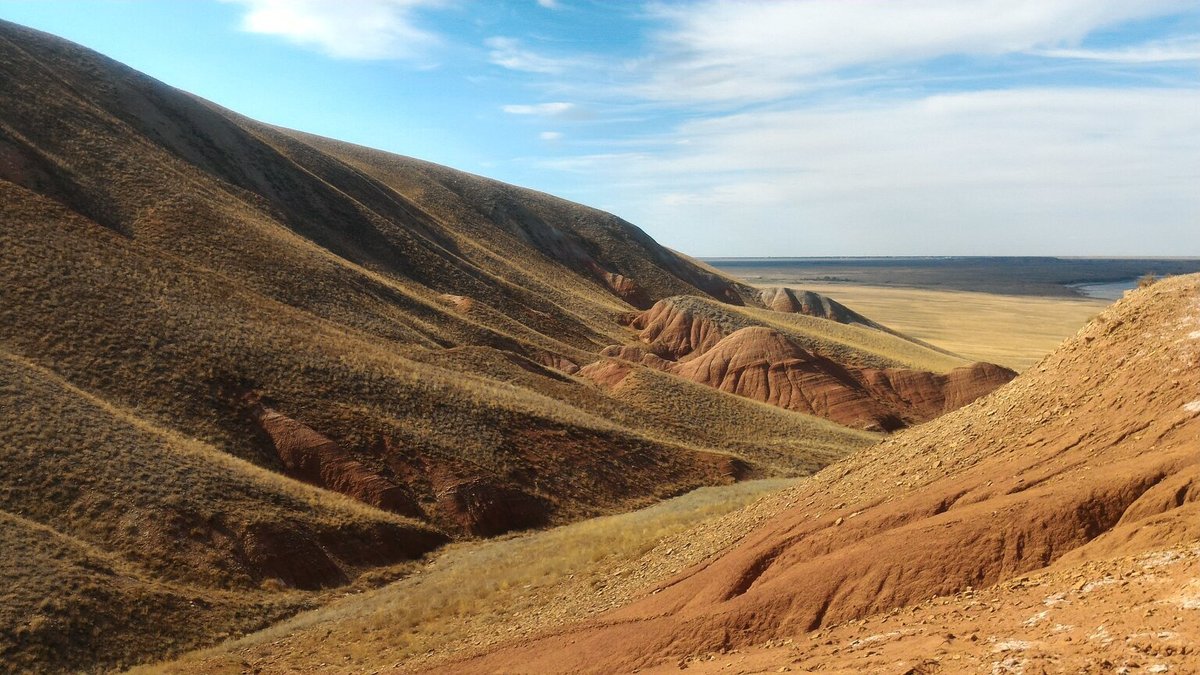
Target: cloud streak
<point x="552" y="108"/>
<point x="726" y="50"/>
<point x="1080" y="171"/>
<point x="364" y="29"/>
<point x="1164" y="51"/>
<point x="509" y="53"/>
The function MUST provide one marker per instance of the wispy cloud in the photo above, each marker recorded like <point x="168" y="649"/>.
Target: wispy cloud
<point x="551" y="135"/>
<point x="727" y="50"/>
<point x="511" y="54"/>
<point x="1013" y="171"/>
<point x="549" y="4"/>
<point x="552" y="108"/>
<point x="364" y="29"/>
<point x="1161" y="51"/>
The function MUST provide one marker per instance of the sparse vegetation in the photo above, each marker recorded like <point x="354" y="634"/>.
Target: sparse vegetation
<point x="476" y="592"/>
<point x="972" y="324"/>
<point x="164" y="261"/>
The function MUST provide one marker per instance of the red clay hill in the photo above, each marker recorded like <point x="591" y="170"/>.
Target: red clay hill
<point x="743" y="354"/>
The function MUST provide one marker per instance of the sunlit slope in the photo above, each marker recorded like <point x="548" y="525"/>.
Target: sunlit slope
<point x="418" y="325"/>
<point x="124" y="538"/>
<point x="1089" y="455"/>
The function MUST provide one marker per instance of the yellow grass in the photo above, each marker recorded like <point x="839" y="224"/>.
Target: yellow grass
<point x="478" y="593"/>
<point x="1013" y="331"/>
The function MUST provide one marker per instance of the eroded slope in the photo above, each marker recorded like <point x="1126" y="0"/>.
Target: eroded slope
<point x="1089" y="455"/>
<point x="859" y="375"/>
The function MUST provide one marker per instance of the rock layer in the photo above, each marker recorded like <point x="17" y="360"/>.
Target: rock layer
<point x="315" y="459"/>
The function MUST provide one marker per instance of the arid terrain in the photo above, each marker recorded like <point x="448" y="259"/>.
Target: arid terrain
<point x="1012" y="330"/>
<point x="274" y="403"/>
<point x="1049" y="526"/>
<point x="245" y="367"/>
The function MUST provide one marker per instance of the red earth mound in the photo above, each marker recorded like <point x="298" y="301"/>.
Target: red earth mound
<point x="1088" y="456"/>
<point x="792" y="301"/>
<point x="763" y="364"/>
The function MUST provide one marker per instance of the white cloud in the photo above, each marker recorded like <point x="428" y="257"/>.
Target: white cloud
<point x="1079" y="171"/>
<point x="553" y="108"/>
<point x="363" y="29"/>
<point x="549" y="4"/>
<point x="551" y="135"/>
<point x="508" y="53"/>
<point x="1162" y="51"/>
<point x="727" y="50"/>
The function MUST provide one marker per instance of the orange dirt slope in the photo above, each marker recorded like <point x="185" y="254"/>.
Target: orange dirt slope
<point x="1088" y="456"/>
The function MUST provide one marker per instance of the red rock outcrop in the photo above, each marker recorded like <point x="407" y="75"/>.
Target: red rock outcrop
<point x="313" y="458"/>
<point x="673" y="331"/>
<point x="761" y="363"/>
<point x="621" y="286"/>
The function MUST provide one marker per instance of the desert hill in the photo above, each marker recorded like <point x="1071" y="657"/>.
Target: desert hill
<point x="784" y="299"/>
<point x="243" y="365"/>
<point x="1084" y="466"/>
<point x="860" y="375"/>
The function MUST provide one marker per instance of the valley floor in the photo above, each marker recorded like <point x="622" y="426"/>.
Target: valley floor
<point x="475" y="595"/>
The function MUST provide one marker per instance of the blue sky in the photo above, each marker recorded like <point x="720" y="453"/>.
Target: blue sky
<point x="805" y="127"/>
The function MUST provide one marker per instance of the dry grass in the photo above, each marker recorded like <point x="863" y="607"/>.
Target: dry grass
<point x="476" y="594"/>
<point x="160" y="258"/>
<point x="786" y="442"/>
<point x="1013" y="331"/>
<point x="121" y="539"/>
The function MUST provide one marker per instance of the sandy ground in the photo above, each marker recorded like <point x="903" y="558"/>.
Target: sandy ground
<point x="1131" y="615"/>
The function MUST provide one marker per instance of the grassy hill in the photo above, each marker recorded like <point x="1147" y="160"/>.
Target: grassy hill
<point x="214" y="332"/>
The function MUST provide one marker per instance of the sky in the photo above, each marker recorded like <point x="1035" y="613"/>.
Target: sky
<point x="733" y="128"/>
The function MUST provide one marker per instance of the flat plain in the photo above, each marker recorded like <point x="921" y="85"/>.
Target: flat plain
<point x="1010" y="330"/>
<point x="1008" y="311"/>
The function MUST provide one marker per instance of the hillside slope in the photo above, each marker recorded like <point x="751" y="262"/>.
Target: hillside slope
<point x="420" y="326"/>
<point x="244" y="365"/>
<point x="123" y="539"/>
<point x="1089" y="456"/>
<point x="184" y="262"/>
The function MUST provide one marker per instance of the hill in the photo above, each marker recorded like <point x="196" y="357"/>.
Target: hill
<point x="1084" y="466"/>
<point x="245" y="366"/>
<point x="840" y="367"/>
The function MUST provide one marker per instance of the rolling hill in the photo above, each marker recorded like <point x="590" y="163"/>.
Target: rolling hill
<point x="1021" y="531"/>
<point x="245" y="366"/>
